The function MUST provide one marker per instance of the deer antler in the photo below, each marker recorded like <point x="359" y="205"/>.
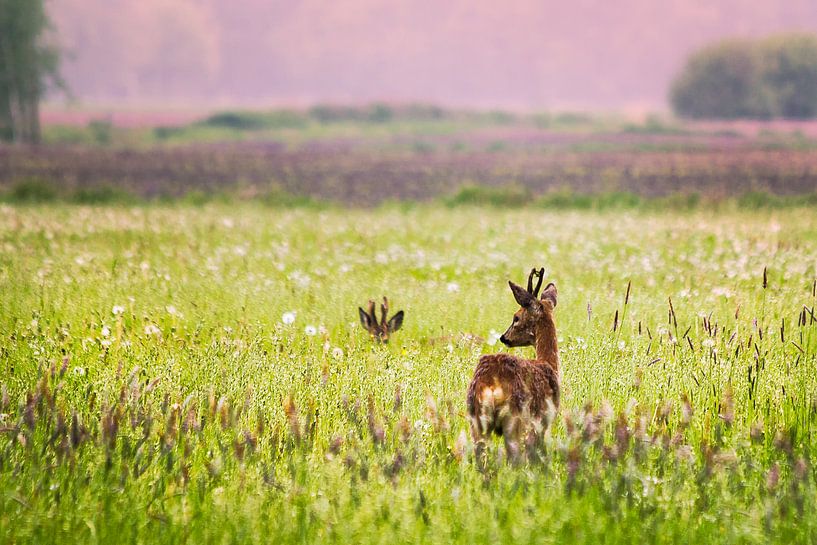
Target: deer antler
<point x="371" y="312"/>
<point x="384" y="308"/>
<point x="540" y="274"/>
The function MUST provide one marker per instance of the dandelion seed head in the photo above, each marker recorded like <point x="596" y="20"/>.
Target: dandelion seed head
<point x="288" y="317"/>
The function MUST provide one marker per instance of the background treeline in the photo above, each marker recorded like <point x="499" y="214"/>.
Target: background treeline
<point x="760" y="79"/>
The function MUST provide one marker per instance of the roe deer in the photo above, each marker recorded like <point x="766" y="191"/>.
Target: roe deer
<point x="381" y="330"/>
<point x="511" y="396"/>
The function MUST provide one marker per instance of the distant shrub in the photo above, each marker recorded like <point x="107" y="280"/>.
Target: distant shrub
<point x="497" y="146"/>
<point x="331" y="114"/>
<point x="101" y="131"/>
<point x="32" y="190"/>
<point x="565" y="198"/>
<point x="677" y="201"/>
<point x="281" y="198"/>
<point x="421" y="112"/>
<point x="66" y="134"/>
<point x="377" y="112"/>
<point x="568" y="199"/>
<point x="750" y="79"/>
<point x="166" y="132"/>
<point x="255" y="121"/>
<point x="572" y="118"/>
<point x="618" y="199"/>
<point x="102" y="194"/>
<point x="380" y="113"/>
<point x="508" y="196"/>
<point x="423" y="146"/>
<point x="654" y="124"/>
<point x="543" y="120"/>
<point x="374" y="113"/>
<point x="756" y="200"/>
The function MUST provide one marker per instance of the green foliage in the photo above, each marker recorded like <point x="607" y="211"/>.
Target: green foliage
<point x="102" y="194"/>
<point x="280" y="198"/>
<point x="101" y="131"/>
<point x="255" y="121"/>
<point x="755" y="200"/>
<point x="374" y="113"/>
<point x="790" y="70"/>
<point x="722" y="81"/>
<point x="512" y="196"/>
<point x="198" y="375"/>
<point x="32" y="191"/>
<point x="654" y="124"/>
<point x="750" y="79"/>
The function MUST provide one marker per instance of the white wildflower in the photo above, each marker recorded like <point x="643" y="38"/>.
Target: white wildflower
<point x="310" y="330"/>
<point x="453" y="287"/>
<point x="337" y="352"/>
<point x="117" y="310"/>
<point x="106" y="331"/>
<point x="151" y="329"/>
<point x="288" y="317"/>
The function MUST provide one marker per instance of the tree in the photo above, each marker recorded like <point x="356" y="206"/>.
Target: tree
<point x="790" y="69"/>
<point x="750" y="79"/>
<point x="721" y="81"/>
<point x="28" y="67"/>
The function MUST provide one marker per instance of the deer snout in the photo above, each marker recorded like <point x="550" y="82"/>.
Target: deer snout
<point x="504" y="340"/>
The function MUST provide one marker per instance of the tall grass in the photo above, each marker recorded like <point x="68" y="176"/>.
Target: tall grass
<point x="153" y="391"/>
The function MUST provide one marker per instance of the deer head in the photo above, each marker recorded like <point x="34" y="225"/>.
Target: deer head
<point x="524" y="328"/>
<point x="381" y="330"/>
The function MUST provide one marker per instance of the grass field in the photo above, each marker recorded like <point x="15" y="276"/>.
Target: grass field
<point x="182" y="374"/>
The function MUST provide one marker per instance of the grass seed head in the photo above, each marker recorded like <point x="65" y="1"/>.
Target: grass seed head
<point x="773" y="477"/>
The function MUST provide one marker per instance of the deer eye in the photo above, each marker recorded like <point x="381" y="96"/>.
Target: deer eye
<point x="515" y="319"/>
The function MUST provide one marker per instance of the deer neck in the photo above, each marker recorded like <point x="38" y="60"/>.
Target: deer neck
<point x="547" y="347"/>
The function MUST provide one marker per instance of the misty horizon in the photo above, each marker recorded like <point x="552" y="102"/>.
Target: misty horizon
<point x="519" y="55"/>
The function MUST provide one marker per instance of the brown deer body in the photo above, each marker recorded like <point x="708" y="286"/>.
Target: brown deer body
<point x="511" y="396"/>
<point x="380" y="330"/>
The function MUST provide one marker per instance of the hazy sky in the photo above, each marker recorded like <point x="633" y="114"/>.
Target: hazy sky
<point x="487" y="53"/>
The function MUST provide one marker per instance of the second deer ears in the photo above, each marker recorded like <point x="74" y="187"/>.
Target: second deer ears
<point x="396" y="321"/>
<point x="549" y="293"/>
<point x="365" y="319"/>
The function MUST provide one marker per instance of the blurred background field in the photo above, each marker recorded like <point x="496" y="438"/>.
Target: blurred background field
<point x="365" y="156"/>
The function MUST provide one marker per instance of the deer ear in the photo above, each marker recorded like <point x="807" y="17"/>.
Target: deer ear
<point x="521" y="295"/>
<point x="365" y="319"/>
<point x="396" y="322"/>
<point x="549" y="293"/>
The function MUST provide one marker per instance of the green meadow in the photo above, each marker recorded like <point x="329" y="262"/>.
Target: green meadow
<point x="183" y="374"/>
